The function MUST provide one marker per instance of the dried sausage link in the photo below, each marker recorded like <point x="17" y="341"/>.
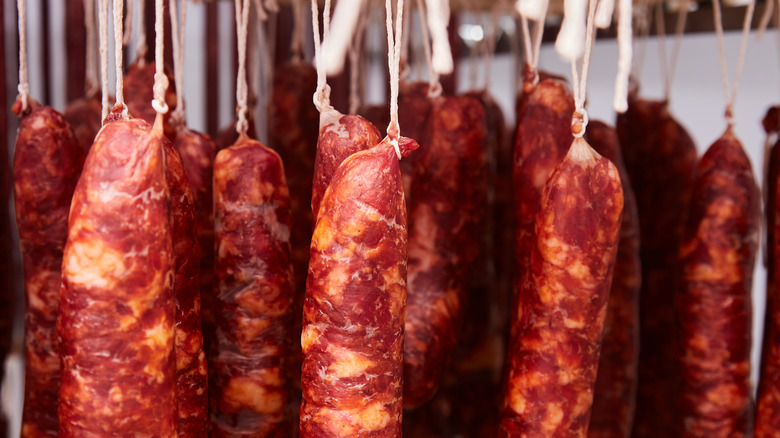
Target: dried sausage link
<point x="254" y="296"/>
<point x="615" y="393"/>
<point x="354" y="309"/>
<point x="562" y="306"/>
<point x="117" y="309"/>
<point x="714" y="306"/>
<point x="447" y="214"/>
<point x="47" y="165"/>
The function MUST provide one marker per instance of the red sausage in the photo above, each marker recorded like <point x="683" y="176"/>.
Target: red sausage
<point x="447" y="212"/>
<point x="138" y="87"/>
<point x="660" y="159"/>
<point x="47" y="164"/>
<point x="717" y="254"/>
<point x="84" y="116"/>
<point x="191" y="374"/>
<point x="615" y="393"/>
<point x="768" y="397"/>
<point x="254" y="294"/>
<point x="340" y="137"/>
<point x="354" y="309"/>
<point x="542" y="139"/>
<point x="562" y="304"/>
<point x="117" y="310"/>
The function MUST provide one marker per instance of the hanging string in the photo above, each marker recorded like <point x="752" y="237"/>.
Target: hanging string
<point x="128" y="28"/>
<point x="260" y="11"/>
<point x="354" y="61"/>
<point x="438" y="15"/>
<point x="160" y="79"/>
<point x="322" y="94"/>
<point x="393" y="61"/>
<point x="667" y="71"/>
<point x="643" y="31"/>
<point x="434" y="84"/>
<point x="178" y="26"/>
<point x="625" y="53"/>
<point x="405" y="42"/>
<point x="296" y="42"/>
<point x="242" y="24"/>
<point x="120" y="100"/>
<point x="580" y="119"/>
<point x="527" y="44"/>
<point x="731" y="93"/>
<point x="91" y="82"/>
<point x="765" y="18"/>
<point x="103" y="29"/>
<point x="24" y="85"/>
<point x="140" y="52"/>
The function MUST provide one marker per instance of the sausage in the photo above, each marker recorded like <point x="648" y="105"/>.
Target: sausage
<point x="660" y="158"/>
<point x="228" y="135"/>
<point x="355" y="297"/>
<point x="768" y="396"/>
<point x="254" y="294"/>
<point x="191" y="373"/>
<point x="615" y="392"/>
<point x="414" y="109"/>
<point x="197" y="153"/>
<point x="563" y="301"/>
<point x="717" y="254"/>
<point x="542" y="139"/>
<point x="84" y="116"/>
<point x="446" y="215"/>
<point x="138" y="84"/>
<point x="340" y="136"/>
<point x="47" y="165"/>
<point x="117" y="309"/>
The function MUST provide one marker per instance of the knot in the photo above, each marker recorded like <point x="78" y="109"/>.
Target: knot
<point x="729" y="115"/>
<point x="24" y="90"/>
<point x="394" y="143"/>
<point x="321" y="98"/>
<point x="242" y="125"/>
<point x="159" y="89"/>
<point x="435" y="90"/>
<point x="159" y="107"/>
<point x="579" y="122"/>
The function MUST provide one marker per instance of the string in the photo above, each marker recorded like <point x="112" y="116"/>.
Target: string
<point x="625" y="52"/>
<point x="128" y="22"/>
<point x="296" y="42"/>
<point x="24" y="85"/>
<point x="393" y="61"/>
<point x="322" y="94"/>
<point x="405" y="42"/>
<point x="120" y="100"/>
<point x="731" y="94"/>
<point x="643" y="31"/>
<point x="91" y="82"/>
<point x="260" y="11"/>
<point x="178" y="26"/>
<point x="242" y="23"/>
<point x="140" y="53"/>
<point x="438" y="14"/>
<point x="354" y="61"/>
<point x="527" y="44"/>
<point x="580" y="119"/>
<point x="765" y="18"/>
<point x="537" y="42"/>
<point x="667" y="71"/>
<point x="103" y="29"/>
<point x="434" y="85"/>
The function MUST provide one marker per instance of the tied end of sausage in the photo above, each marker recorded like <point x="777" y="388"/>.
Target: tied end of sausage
<point x="406" y="145"/>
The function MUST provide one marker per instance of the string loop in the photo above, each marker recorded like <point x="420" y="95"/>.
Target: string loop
<point x="24" y="86"/>
<point x="393" y="61"/>
<point x="160" y="79"/>
<point x="178" y="26"/>
<point x="580" y="81"/>
<point x="322" y="93"/>
<point x="731" y="93"/>
<point x="242" y="90"/>
<point x="118" y="38"/>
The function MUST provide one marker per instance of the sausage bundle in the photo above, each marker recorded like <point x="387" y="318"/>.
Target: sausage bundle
<point x="355" y="300"/>
<point x="660" y="158"/>
<point x="447" y="212"/>
<point x="47" y="165"/>
<point x="117" y="309"/>
<point x="714" y="306"/>
<point x="615" y="391"/>
<point x="254" y="295"/>
<point x="562" y="304"/>
<point x="768" y="397"/>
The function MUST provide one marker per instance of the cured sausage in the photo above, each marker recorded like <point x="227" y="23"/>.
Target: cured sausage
<point x="197" y="154"/>
<point x="718" y="250"/>
<point x="563" y="300"/>
<point x="615" y="393"/>
<point x="254" y="293"/>
<point x="542" y="140"/>
<point x="414" y="109"/>
<point x="191" y="373"/>
<point x="447" y="213"/>
<point x="228" y="135"/>
<point x="660" y="158"/>
<point x="138" y="85"/>
<point x="354" y="309"/>
<point x="768" y="397"/>
<point x="84" y="116"/>
<point x="340" y="136"/>
<point x="117" y="309"/>
<point x="47" y="165"/>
